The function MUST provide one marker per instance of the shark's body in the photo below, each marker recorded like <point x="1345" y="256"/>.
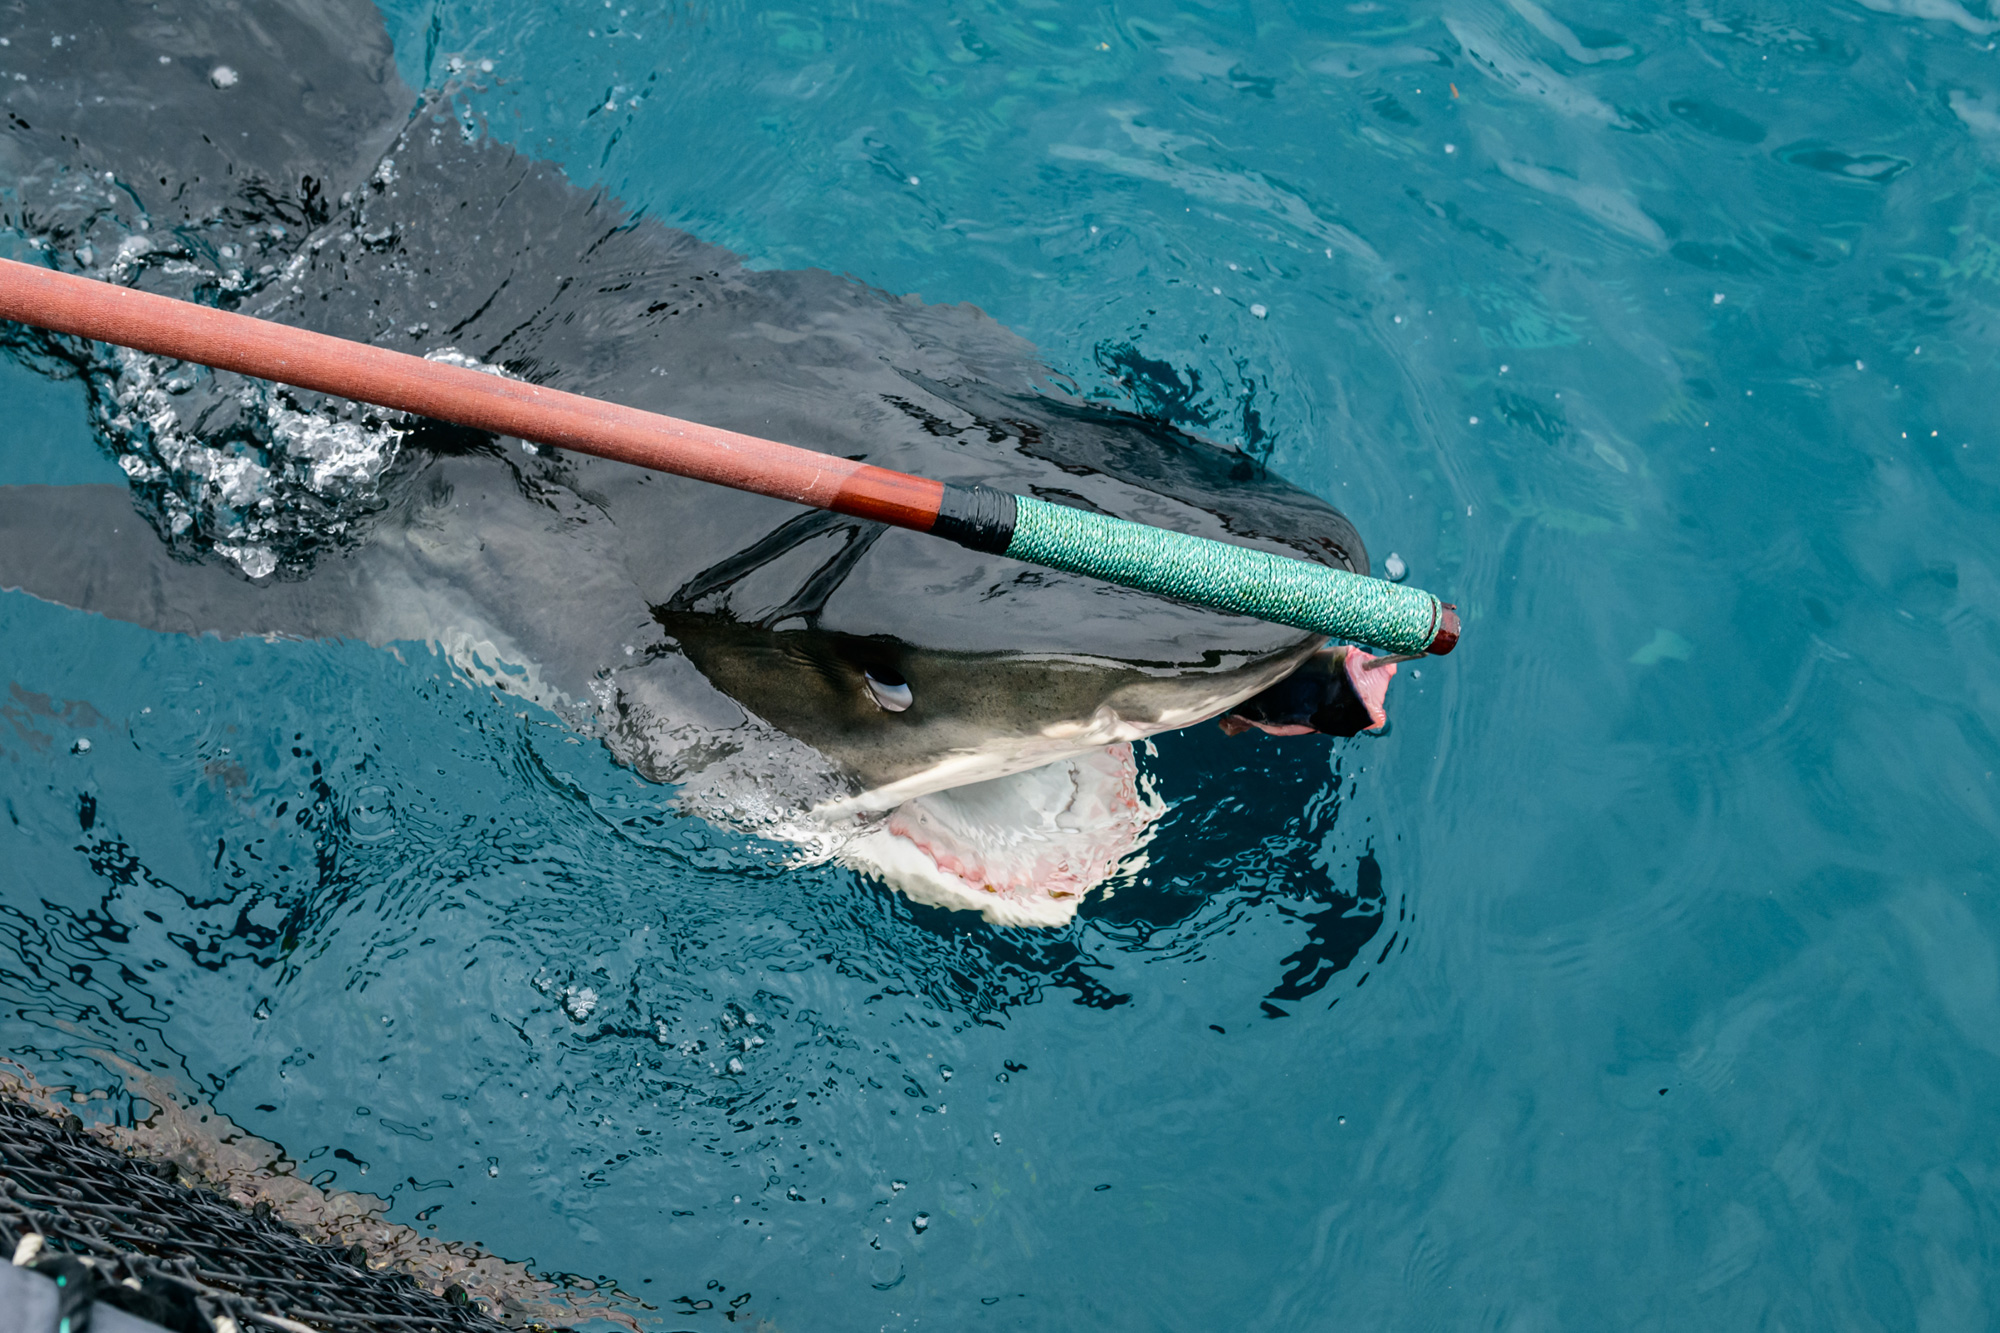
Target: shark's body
<point x="726" y="642"/>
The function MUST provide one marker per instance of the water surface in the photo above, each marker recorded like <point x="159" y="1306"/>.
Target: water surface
<point x="1645" y="975"/>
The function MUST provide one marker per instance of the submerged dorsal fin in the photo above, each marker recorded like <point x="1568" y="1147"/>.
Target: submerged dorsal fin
<point x="514" y="606"/>
<point x="85" y="547"/>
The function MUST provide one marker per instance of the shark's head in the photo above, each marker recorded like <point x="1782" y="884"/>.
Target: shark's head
<point x="904" y="720"/>
<point x="999" y="781"/>
<point x="1003" y="782"/>
<point x="962" y="725"/>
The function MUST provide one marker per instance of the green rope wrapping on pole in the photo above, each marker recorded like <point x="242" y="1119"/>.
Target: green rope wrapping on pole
<point x="1229" y="578"/>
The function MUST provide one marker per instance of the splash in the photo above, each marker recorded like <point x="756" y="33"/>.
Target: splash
<point x="242" y="467"/>
<point x="264" y="475"/>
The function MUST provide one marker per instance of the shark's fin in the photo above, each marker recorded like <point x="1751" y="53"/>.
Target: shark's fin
<point x="86" y="547"/>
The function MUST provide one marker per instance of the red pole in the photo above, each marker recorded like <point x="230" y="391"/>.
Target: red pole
<point x="1193" y="569"/>
<point x="324" y="364"/>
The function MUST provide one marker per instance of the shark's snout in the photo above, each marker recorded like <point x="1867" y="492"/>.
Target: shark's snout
<point x="1337" y="692"/>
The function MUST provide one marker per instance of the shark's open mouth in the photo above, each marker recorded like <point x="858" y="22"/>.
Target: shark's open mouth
<point x="1020" y="850"/>
<point x="1024" y="849"/>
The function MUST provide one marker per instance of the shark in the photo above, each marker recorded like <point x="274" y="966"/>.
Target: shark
<point x="956" y="724"/>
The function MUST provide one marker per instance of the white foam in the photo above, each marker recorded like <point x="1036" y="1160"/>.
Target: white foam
<point x="256" y="561"/>
<point x="578" y="1001"/>
<point x="337" y="454"/>
<point x="451" y="356"/>
<point x="295" y="473"/>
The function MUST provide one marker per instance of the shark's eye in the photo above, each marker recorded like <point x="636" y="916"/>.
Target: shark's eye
<point x="889" y="690"/>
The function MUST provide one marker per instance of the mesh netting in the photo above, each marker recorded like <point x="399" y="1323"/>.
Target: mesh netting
<point x="190" y="1248"/>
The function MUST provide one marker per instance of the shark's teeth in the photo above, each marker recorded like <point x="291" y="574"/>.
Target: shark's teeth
<point x="1022" y="850"/>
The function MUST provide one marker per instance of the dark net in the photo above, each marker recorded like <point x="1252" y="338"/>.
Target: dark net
<point x="199" y="1261"/>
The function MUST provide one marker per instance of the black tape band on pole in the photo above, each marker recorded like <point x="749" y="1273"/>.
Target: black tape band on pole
<point x="977" y="517"/>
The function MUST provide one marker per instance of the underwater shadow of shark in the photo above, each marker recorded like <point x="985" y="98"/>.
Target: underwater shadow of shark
<point x="955" y="723"/>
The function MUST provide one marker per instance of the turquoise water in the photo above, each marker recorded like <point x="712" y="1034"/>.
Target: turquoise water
<point x="1645" y="975"/>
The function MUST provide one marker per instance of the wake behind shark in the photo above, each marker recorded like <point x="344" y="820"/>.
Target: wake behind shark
<point x="956" y="723"/>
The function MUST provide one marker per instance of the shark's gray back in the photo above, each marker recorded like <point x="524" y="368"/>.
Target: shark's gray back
<point x="500" y="257"/>
<point x="130" y="87"/>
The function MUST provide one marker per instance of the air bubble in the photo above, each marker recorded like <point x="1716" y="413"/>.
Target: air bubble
<point x="578" y="1001"/>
